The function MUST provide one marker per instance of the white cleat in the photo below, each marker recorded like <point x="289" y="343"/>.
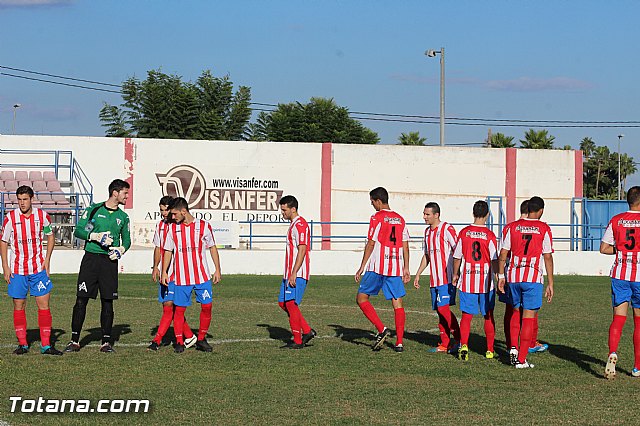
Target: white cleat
<point x="190" y="342"/>
<point x="513" y="356"/>
<point x="610" y="369"/>
<point x="524" y="364"/>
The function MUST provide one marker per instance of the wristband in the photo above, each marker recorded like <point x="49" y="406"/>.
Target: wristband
<point x="501" y="276"/>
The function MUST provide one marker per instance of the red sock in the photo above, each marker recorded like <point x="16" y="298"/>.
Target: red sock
<point x="44" y="322"/>
<point x="400" y="318"/>
<point x="294" y="321"/>
<point x="508" y="313"/>
<point x="615" y="331"/>
<point x="303" y="323"/>
<point x="534" y="339"/>
<point x="369" y="312"/>
<point x="20" y="325"/>
<point x="454" y="327"/>
<point x="186" y="330"/>
<point x="444" y="317"/>
<point x="515" y="328"/>
<point x="178" y="323"/>
<point x="465" y="328"/>
<point x="165" y="322"/>
<point x="525" y="338"/>
<point x="636" y="341"/>
<point x="283" y="307"/>
<point x="490" y="330"/>
<point x="205" y="320"/>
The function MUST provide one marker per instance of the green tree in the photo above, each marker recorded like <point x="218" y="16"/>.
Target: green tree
<point x="163" y="106"/>
<point x="320" y="120"/>
<point x="499" y="140"/>
<point x="537" y="139"/>
<point x="411" y="138"/>
<point x="587" y="145"/>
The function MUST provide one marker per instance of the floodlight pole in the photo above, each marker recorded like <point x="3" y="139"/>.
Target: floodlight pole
<point x="431" y="53"/>
<point x="620" y="136"/>
<point x="13" y="124"/>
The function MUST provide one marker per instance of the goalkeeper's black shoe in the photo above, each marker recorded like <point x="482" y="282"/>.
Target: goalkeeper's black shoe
<point x="21" y="350"/>
<point x="72" y="347"/>
<point x="50" y="350"/>
<point x="153" y="346"/>
<point x="107" y="348"/>
<point x="306" y="338"/>
<point x="178" y="348"/>
<point x="203" y="345"/>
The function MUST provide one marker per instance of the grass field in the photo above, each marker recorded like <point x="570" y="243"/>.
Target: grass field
<point x="248" y="379"/>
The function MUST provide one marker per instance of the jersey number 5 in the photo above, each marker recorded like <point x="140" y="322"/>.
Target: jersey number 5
<point x="631" y="239"/>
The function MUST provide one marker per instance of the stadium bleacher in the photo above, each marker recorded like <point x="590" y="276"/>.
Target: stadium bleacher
<point x="48" y="190"/>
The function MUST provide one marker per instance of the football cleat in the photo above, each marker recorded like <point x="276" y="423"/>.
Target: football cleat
<point x="610" y="368"/>
<point x="189" y="342"/>
<point x="306" y="338"/>
<point x="439" y="349"/>
<point x="107" y="348"/>
<point x="203" y="345"/>
<point x="21" y="350"/>
<point x="72" y="347"/>
<point x="538" y="347"/>
<point x="513" y="356"/>
<point x="635" y="372"/>
<point x="178" y="348"/>
<point x="49" y="350"/>
<point x="153" y="346"/>
<point x="490" y="355"/>
<point x="380" y="338"/>
<point x="398" y="348"/>
<point x="524" y="364"/>
<point x="463" y="353"/>
<point x="454" y="346"/>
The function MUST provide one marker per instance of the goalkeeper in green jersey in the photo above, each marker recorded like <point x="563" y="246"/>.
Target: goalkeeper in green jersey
<point x="105" y="229"/>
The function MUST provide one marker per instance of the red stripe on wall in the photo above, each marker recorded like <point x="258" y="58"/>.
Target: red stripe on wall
<point x="579" y="175"/>
<point x="325" y="193"/>
<point x="128" y="169"/>
<point x="510" y="182"/>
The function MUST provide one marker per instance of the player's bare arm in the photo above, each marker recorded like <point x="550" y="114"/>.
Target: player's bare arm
<point x="4" y="252"/>
<point x="502" y="261"/>
<point x="548" y="265"/>
<point x="51" y="242"/>
<point x="168" y="256"/>
<point x="606" y="248"/>
<point x="215" y="256"/>
<point x="368" y="249"/>
<point x="302" y="251"/>
<point x="456" y="270"/>
<point x="155" y="274"/>
<point x="424" y="262"/>
<point x="406" y="274"/>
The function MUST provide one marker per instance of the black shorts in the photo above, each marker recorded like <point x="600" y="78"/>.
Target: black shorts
<point x="98" y="272"/>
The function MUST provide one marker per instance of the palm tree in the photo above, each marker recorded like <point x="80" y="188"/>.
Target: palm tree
<point x="412" y="138"/>
<point x="537" y="139"/>
<point x="601" y="156"/>
<point x="499" y="140"/>
<point x="587" y="145"/>
<point x="627" y="167"/>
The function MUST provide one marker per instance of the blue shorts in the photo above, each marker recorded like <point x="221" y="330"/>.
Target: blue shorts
<point x="477" y="303"/>
<point x="625" y="291"/>
<point x="527" y="295"/>
<point x="292" y="293"/>
<point x="36" y="284"/>
<point x="182" y="294"/>
<point x="443" y="295"/>
<point x="372" y="282"/>
<point x="506" y="296"/>
<point x="166" y="292"/>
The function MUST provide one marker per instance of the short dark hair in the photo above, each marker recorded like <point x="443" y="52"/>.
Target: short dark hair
<point x="290" y="201"/>
<point x="179" y="203"/>
<point x="379" y="193"/>
<point x="435" y="208"/>
<point x="166" y="200"/>
<point x="24" y="189"/>
<point x="118" y="185"/>
<point x="633" y="196"/>
<point x="480" y="209"/>
<point x="524" y="207"/>
<point x="535" y="204"/>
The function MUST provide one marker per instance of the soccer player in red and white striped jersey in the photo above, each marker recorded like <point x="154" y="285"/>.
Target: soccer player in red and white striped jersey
<point x="23" y="229"/>
<point x="386" y="260"/>
<point x="476" y="252"/>
<point x="622" y="240"/>
<point x="530" y="244"/>
<point x="185" y="248"/>
<point x="439" y="242"/>
<point x="165" y="292"/>
<point x="296" y="272"/>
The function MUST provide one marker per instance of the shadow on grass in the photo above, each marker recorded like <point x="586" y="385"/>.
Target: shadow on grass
<point x="353" y="335"/>
<point x="170" y="336"/>
<point x="277" y="333"/>
<point x="33" y="335"/>
<point x="95" y="334"/>
<point x="585" y="362"/>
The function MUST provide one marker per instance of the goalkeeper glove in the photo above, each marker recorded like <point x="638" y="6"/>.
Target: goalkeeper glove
<point x="102" y="238"/>
<point x="116" y="253"/>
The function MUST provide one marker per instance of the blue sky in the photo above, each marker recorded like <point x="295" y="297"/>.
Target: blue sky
<point x="542" y="60"/>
